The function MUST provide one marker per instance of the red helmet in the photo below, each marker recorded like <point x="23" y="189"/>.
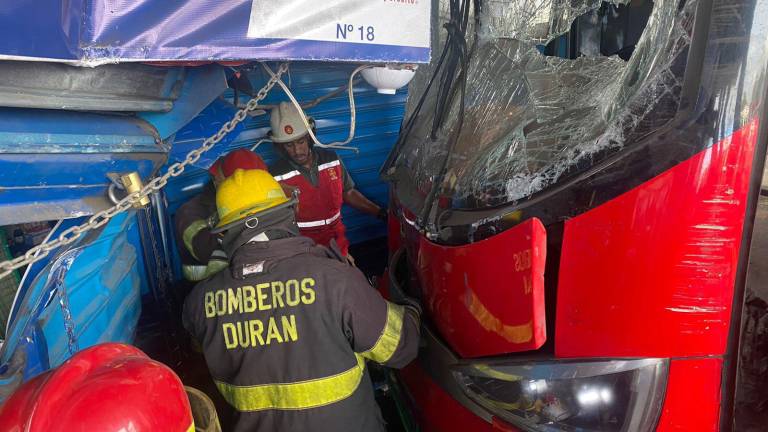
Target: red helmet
<point x="109" y="387"/>
<point x="244" y="159"/>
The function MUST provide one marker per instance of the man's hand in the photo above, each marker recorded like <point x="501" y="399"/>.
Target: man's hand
<point x="357" y="201"/>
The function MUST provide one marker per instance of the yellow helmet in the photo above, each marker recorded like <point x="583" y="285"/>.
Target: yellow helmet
<point x="245" y="193"/>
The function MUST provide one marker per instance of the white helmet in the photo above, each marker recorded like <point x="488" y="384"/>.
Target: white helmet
<point x="286" y="123"/>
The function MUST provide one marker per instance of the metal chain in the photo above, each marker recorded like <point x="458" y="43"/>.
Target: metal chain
<point x="99" y="219"/>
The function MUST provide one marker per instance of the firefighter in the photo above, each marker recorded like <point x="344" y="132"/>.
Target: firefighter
<point x="323" y="182"/>
<point x="110" y="387"/>
<point x="287" y="328"/>
<point x="201" y="254"/>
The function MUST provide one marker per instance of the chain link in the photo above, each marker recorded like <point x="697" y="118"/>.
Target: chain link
<point x="101" y="218"/>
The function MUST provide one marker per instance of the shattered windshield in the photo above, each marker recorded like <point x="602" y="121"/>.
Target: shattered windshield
<point x="551" y="86"/>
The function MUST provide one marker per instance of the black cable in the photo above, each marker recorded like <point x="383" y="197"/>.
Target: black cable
<point x="457" y="43"/>
<point x="457" y="34"/>
<point x="406" y="129"/>
<point x="448" y="78"/>
<point x="459" y="17"/>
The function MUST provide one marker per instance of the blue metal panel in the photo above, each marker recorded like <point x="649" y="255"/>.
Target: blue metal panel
<point x="75" y="171"/>
<point x="378" y="123"/>
<point x="54" y="164"/>
<point x="201" y="86"/>
<point x="53" y="131"/>
<point x="206" y="124"/>
<point x="86" y="295"/>
<point x="34" y="269"/>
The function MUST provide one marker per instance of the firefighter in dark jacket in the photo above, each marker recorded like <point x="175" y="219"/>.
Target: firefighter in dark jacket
<point x="319" y="175"/>
<point x="287" y="328"/>
<point x="200" y="251"/>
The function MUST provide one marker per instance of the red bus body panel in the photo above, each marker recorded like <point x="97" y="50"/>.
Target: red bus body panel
<point x="487" y="298"/>
<point x="692" y="402"/>
<point x="651" y="273"/>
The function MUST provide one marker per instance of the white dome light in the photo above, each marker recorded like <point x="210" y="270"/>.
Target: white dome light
<point x="387" y="80"/>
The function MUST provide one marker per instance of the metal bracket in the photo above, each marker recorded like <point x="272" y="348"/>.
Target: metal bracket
<point x="130" y="183"/>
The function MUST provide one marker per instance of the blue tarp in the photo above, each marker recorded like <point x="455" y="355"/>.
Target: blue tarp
<point x="92" y="32"/>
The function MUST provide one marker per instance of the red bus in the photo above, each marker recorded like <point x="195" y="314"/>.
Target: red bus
<point x="572" y="202"/>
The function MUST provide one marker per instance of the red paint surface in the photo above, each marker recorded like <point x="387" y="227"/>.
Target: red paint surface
<point x="107" y="388"/>
<point x="692" y="402"/>
<point x="487" y="298"/>
<point x="394" y="236"/>
<point x="651" y="273"/>
<point x="436" y="410"/>
<point x="382" y="285"/>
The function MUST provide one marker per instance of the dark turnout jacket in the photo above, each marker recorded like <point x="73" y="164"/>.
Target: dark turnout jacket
<point x="286" y="331"/>
<point x="196" y="243"/>
<point x="199" y="249"/>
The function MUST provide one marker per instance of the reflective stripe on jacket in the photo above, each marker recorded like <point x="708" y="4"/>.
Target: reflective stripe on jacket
<point x="200" y="251"/>
<point x="197" y="273"/>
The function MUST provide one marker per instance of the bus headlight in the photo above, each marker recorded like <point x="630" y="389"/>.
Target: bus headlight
<point x="615" y="395"/>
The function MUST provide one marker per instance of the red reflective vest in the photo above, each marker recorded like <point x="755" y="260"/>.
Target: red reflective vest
<point x="319" y="215"/>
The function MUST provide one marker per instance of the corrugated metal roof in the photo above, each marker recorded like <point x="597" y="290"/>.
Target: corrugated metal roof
<point x="377" y="125"/>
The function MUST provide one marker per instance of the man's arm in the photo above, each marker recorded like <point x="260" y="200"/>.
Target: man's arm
<point x="358" y="201"/>
<point x="192" y="227"/>
<point x="381" y="331"/>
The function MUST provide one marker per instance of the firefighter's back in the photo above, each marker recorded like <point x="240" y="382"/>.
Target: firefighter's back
<point x="278" y="331"/>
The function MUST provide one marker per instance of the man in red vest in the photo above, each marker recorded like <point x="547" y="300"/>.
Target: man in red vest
<point x="320" y="177"/>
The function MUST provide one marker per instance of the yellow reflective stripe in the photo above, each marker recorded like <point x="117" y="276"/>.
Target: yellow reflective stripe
<point x="196" y="273"/>
<point x="386" y="346"/>
<point x="190" y="232"/>
<point x="493" y="373"/>
<point x="193" y="273"/>
<point x="295" y="396"/>
<point x="215" y="266"/>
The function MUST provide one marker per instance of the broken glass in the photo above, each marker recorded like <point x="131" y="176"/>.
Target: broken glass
<point x="531" y="119"/>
